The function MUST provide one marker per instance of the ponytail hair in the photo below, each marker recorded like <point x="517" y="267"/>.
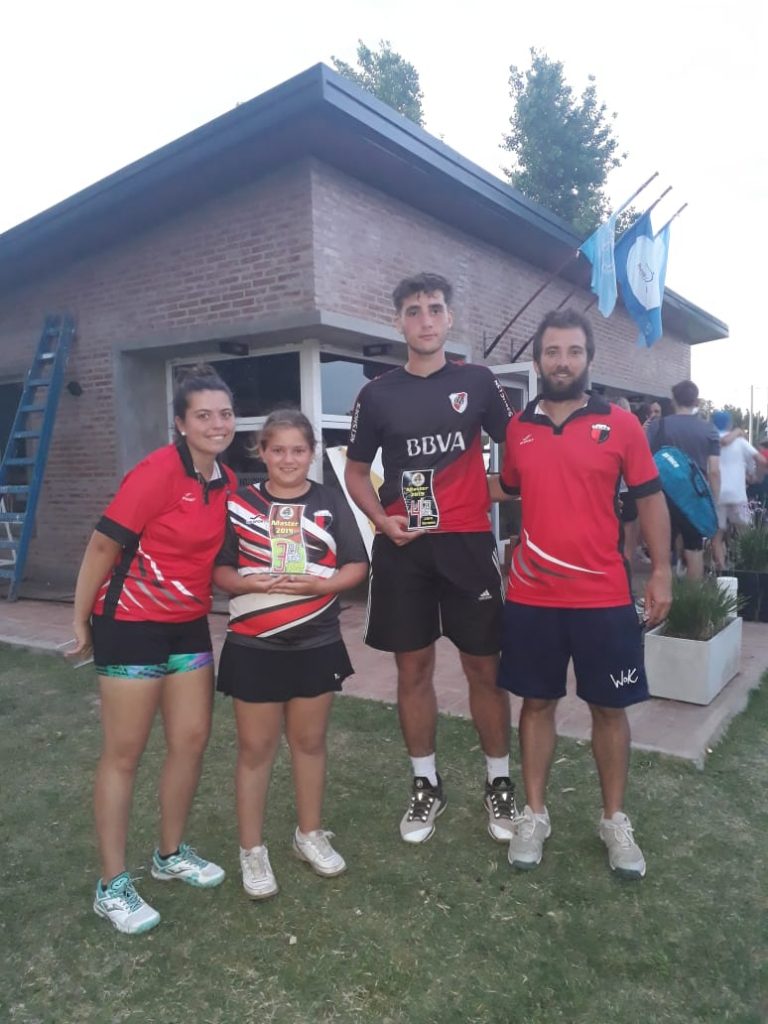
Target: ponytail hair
<point x="189" y="379"/>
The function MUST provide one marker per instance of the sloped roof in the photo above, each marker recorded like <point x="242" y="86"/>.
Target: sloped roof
<point x="317" y="113"/>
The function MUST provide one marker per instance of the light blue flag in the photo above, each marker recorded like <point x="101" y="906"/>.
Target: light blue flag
<point x="598" y="249"/>
<point x="641" y="269"/>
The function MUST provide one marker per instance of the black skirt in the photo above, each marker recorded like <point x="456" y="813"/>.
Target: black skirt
<point x="258" y="676"/>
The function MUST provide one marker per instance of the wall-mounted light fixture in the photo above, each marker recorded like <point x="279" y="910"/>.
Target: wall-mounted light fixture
<point x="74" y="388"/>
<point x="379" y="349"/>
<point x="235" y="348"/>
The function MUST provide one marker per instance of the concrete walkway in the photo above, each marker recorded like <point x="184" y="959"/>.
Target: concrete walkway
<point x="668" y="727"/>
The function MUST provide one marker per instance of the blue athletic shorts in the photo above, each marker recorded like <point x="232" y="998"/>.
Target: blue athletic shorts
<point x="606" y="645"/>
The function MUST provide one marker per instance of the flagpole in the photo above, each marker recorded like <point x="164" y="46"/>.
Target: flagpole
<point x="523" y="347"/>
<point x="571" y="257"/>
<point x="645" y="213"/>
<point x="675" y="214"/>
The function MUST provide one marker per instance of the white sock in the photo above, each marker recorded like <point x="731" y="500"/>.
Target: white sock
<point x="426" y="768"/>
<point x="498" y="767"/>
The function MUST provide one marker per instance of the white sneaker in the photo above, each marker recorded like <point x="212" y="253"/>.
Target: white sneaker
<point x="624" y="855"/>
<point x="258" y="878"/>
<point x="122" y="906"/>
<point x="187" y="866"/>
<point x="427" y="803"/>
<point x="314" y="848"/>
<point x="526" y="847"/>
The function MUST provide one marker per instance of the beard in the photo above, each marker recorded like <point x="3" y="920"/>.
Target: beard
<point x="553" y="390"/>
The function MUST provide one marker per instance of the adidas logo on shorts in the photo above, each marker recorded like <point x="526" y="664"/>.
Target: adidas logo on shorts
<point x="485" y="596"/>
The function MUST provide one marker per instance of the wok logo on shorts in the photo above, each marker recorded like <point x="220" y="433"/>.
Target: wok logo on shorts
<point x="459" y="401"/>
<point x="626" y="678"/>
<point x="600" y="432"/>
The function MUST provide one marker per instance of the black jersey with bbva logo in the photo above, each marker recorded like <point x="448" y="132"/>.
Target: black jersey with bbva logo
<point x="429" y="432"/>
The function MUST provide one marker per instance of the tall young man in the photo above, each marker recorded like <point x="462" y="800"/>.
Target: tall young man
<point x="568" y="594"/>
<point x="434" y="565"/>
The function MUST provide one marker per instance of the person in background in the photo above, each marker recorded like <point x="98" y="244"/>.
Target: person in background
<point x="141" y="603"/>
<point x="628" y="505"/>
<point x="738" y="459"/>
<point x="292" y="547"/>
<point x="686" y="430"/>
<point x="653" y="412"/>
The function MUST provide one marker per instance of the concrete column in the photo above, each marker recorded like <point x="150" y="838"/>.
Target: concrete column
<point x="312" y="399"/>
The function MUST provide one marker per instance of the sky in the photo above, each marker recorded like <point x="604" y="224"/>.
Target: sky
<point x="88" y="87"/>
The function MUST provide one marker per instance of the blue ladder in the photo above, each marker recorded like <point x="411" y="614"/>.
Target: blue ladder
<point x="25" y="456"/>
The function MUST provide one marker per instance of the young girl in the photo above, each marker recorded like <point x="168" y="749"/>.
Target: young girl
<point x="292" y="547"/>
<point x="141" y="601"/>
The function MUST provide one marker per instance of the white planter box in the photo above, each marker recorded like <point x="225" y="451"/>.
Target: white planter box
<point x="692" y="670"/>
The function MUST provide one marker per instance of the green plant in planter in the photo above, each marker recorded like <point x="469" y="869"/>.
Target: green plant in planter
<point x="700" y="609"/>
<point x="751" y="549"/>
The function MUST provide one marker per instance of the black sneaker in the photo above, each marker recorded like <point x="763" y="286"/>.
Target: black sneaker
<point x="500" y="804"/>
<point x="426" y="803"/>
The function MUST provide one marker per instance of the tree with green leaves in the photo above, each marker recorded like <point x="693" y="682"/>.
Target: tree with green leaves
<point x="740" y="419"/>
<point x="388" y="76"/>
<point x="564" y="145"/>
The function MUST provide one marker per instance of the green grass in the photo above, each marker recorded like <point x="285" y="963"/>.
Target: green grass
<point x="436" y="934"/>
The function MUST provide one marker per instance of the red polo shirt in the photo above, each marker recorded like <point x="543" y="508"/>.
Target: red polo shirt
<point x="569" y="554"/>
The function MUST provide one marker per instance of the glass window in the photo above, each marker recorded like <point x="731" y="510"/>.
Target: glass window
<point x="260" y="384"/>
<point x="10" y="395"/>
<point x="342" y="378"/>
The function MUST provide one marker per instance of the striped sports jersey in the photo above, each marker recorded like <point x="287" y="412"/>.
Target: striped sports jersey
<point x="170" y="524"/>
<point x="429" y="432"/>
<point x="328" y="538"/>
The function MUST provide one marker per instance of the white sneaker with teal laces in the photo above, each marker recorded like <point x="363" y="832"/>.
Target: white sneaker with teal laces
<point x="121" y="905"/>
<point x="624" y="855"/>
<point x="259" y="880"/>
<point x="314" y="848"/>
<point x="187" y="866"/>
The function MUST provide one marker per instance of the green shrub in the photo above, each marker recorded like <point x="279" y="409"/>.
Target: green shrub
<point x="751" y="549"/>
<point x="700" y="609"/>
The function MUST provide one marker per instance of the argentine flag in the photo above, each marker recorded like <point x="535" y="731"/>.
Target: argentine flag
<point x="641" y="268"/>
<point x="598" y="249"/>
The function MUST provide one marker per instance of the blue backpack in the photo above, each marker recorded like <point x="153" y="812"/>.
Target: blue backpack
<point x="685" y="485"/>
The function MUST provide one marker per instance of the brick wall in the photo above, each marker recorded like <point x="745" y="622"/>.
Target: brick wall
<point x="238" y="257"/>
<point x="365" y="242"/>
<point x="304" y="237"/>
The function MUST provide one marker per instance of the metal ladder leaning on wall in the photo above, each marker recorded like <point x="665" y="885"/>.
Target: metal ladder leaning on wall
<point x="25" y="456"/>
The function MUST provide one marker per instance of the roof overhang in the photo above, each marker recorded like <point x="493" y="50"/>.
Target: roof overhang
<point x="320" y="114"/>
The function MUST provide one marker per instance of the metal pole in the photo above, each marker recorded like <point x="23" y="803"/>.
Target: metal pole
<point x="571" y="257"/>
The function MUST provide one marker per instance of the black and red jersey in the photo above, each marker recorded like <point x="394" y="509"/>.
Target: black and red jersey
<point x="330" y="538"/>
<point x="429" y="432"/>
<point x="569" y="554"/>
<point x="170" y="523"/>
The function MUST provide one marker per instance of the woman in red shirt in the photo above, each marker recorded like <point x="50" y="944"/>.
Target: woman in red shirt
<point x="141" y="603"/>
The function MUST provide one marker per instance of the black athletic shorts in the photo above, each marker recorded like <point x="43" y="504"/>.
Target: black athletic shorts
<point x="150" y="650"/>
<point x="260" y="676"/>
<point x="692" y="539"/>
<point x="442" y="584"/>
<point x="606" y="645"/>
